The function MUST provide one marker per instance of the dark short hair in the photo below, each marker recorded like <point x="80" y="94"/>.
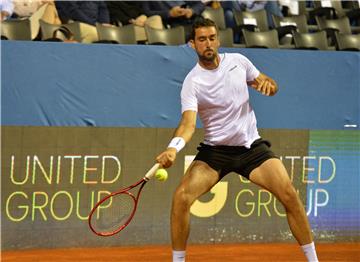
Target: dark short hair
<point x="201" y="22"/>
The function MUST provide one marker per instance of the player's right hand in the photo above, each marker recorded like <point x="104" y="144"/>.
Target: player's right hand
<point x="167" y="158"/>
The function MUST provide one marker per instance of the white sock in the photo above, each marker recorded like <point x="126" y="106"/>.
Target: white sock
<point x="178" y="256"/>
<point x="310" y="252"/>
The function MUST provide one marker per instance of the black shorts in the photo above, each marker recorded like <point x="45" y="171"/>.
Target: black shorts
<point x="239" y="159"/>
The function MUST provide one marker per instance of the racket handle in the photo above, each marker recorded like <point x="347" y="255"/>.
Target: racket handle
<point x="151" y="172"/>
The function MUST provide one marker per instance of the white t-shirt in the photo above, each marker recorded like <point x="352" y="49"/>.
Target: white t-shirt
<point x="221" y="97"/>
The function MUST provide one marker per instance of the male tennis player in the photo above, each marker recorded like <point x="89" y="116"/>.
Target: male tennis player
<point x="216" y="88"/>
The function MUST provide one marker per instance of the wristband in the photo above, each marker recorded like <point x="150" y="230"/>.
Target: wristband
<point x="178" y="143"/>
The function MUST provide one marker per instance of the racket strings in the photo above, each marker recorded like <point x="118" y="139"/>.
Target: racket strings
<point x="113" y="213"/>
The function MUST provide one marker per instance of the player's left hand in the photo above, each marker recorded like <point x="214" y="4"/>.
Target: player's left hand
<point x="264" y="85"/>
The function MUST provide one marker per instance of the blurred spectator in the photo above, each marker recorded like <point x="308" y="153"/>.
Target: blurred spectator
<point x="88" y="13"/>
<point x="7" y="8"/>
<point x="44" y="10"/>
<point x="126" y="12"/>
<point x="212" y="4"/>
<point x="251" y="6"/>
<point x="175" y="13"/>
<point x="228" y="7"/>
<point x="271" y="7"/>
<point x="131" y="12"/>
<point x="289" y="7"/>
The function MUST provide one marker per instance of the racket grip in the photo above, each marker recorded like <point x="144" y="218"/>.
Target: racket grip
<point x="152" y="171"/>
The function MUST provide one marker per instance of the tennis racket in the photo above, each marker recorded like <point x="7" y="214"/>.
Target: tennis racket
<point x="115" y="211"/>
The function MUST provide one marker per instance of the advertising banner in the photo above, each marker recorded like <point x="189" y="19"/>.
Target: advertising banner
<point x="52" y="176"/>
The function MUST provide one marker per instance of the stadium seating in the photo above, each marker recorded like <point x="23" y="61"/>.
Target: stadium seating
<point x="120" y="35"/>
<point x="267" y="39"/>
<point x="347" y="42"/>
<point x="217" y="15"/>
<point x="172" y="36"/>
<point x="226" y="37"/>
<point x="257" y="18"/>
<point x="314" y="41"/>
<point x="16" y="29"/>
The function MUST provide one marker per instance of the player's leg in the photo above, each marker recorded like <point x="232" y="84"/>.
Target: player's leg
<point x="199" y="179"/>
<point x="273" y="176"/>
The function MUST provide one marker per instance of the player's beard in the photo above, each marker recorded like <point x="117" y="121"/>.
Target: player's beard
<point x="207" y="57"/>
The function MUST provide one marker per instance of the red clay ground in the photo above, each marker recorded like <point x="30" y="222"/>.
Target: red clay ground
<point x="206" y="253"/>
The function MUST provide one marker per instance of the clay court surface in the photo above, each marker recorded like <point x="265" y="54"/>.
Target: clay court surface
<point x="222" y="253"/>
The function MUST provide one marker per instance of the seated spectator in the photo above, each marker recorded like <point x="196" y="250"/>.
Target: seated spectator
<point x="175" y="13"/>
<point x="271" y="7"/>
<point x="131" y="12"/>
<point x="34" y="11"/>
<point x="212" y="4"/>
<point x="228" y="7"/>
<point x="88" y="13"/>
<point x="7" y="8"/>
<point x="289" y="7"/>
<point x="29" y="8"/>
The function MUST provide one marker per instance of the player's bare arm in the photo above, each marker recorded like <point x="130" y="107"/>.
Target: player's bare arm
<point x="185" y="130"/>
<point x="264" y="84"/>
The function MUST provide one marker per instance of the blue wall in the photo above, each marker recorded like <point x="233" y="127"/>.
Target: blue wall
<point x="55" y="84"/>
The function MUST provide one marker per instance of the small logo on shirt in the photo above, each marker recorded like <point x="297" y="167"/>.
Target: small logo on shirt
<point x="231" y="69"/>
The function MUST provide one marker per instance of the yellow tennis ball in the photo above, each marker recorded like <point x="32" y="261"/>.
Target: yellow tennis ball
<point x="161" y="174"/>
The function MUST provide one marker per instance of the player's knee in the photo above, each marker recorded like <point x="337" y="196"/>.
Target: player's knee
<point x="289" y="197"/>
<point x="182" y="198"/>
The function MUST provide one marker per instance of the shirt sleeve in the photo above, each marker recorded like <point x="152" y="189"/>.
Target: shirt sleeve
<point x="251" y="71"/>
<point x="188" y="96"/>
<point x="7" y="6"/>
